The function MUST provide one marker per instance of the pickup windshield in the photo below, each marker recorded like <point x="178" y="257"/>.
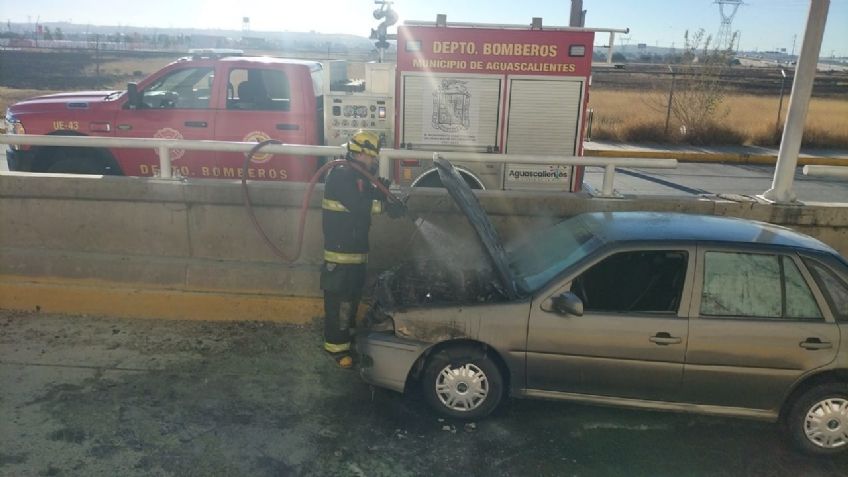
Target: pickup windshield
<point x="537" y="260"/>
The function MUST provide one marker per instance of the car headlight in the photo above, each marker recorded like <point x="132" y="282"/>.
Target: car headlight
<point x="14" y="126"/>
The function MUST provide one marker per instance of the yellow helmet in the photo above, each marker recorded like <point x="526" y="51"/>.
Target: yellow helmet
<point x="365" y="141"/>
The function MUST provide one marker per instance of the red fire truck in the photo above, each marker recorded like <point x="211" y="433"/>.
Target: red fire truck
<point x="489" y="89"/>
<point x="210" y="95"/>
<point x="493" y="89"/>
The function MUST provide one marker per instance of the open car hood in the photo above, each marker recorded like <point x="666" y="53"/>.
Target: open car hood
<point x="489" y="239"/>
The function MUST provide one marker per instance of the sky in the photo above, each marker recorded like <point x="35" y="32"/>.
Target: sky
<point x="763" y="24"/>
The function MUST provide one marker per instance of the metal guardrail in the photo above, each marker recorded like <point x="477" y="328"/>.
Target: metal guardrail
<point x="826" y="171"/>
<point x="607" y="163"/>
<point x="164" y="147"/>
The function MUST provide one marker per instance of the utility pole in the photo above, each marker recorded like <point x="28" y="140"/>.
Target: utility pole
<point x="799" y="102"/>
<point x="670" y="98"/>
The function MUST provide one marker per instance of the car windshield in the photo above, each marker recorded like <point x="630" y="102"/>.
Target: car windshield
<point x="538" y="259"/>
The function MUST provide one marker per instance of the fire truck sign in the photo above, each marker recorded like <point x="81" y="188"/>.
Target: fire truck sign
<point x="451" y="115"/>
<point x="481" y="50"/>
<point x="496" y="90"/>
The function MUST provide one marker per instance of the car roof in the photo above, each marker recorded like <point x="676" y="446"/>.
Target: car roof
<point x="677" y="227"/>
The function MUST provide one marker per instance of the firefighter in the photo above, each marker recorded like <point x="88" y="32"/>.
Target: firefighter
<point x="349" y="201"/>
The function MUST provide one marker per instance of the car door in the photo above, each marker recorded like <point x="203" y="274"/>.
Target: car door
<point x="179" y="104"/>
<point x="267" y="102"/>
<point x="631" y="339"/>
<point x="758" y="324"/>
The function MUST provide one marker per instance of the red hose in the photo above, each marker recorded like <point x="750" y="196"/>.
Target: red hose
<point x="304" y="207"/>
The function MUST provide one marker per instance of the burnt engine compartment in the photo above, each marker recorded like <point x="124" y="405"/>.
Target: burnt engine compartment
<point x="434" y="282"/>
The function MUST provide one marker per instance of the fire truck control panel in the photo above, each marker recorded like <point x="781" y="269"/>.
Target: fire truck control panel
<point x="353" y="105"/>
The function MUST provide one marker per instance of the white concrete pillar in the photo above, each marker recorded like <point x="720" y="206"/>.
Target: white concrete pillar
<point x="799" y="102"/>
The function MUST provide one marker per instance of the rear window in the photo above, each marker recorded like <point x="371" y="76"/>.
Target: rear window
<point x="318" y="82"/>
<point x="256" y="89"/>
<point x="748" y="285"/>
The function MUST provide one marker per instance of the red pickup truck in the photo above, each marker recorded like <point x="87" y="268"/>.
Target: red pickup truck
<point x="206" y="96"/>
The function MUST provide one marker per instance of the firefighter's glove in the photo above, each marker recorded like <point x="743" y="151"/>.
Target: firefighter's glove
<point x="386" y="182"/>
<point x="396" y="209"/>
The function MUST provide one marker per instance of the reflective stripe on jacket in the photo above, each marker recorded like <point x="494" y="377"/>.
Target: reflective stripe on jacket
<point x="345" y="258"/>
<point x="336" y="348"/>
<point x="336" y="206"/>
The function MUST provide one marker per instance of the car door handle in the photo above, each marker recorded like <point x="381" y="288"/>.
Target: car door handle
<point x="815" y="343"/>
<point x="196" y="124"/>
<point x="664" y="338"/>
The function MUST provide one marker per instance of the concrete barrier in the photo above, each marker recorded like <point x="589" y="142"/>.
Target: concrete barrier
<point x="141" y="247"/>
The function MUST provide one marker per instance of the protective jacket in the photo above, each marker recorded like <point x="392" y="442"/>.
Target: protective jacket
<point x="349" y="201"/>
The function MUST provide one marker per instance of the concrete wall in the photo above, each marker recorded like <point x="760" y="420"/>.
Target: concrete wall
<point x="194" y="236"/>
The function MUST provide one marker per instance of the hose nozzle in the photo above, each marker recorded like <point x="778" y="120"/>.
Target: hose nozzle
<point x="415" y="218"/>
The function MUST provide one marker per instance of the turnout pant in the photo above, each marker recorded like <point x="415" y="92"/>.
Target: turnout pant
<point x="342" y="285"/>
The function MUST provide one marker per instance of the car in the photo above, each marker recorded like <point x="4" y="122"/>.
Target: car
<point x="648" y="310"/>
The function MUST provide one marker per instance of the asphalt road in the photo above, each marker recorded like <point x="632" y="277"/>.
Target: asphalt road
<point x="102" y="396"/>
<point x="694" y="179"/>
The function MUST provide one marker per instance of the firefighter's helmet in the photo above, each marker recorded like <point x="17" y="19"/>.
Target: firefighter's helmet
<point x="365" y="141"/>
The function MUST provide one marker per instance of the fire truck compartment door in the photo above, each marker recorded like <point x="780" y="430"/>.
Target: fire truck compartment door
<point x="543" y="117"/>
<point x="450" y="112"/>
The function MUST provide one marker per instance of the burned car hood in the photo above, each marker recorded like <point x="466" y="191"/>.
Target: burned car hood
<point x="473" y="270"/>
<point x="485" y="231"/>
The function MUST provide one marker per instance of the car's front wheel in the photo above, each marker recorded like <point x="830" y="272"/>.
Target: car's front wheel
<point x="462" y="382"/>
<point x="818" y="419"/>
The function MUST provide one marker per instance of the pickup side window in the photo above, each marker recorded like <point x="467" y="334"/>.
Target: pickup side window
<point x="253" y="89"/>
<point x="747" y="285"/>
<point x="187" y="88"/>
<point x="836" y="291"/>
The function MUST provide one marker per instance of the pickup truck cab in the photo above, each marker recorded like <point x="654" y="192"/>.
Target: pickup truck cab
<point x="205" y="97"/>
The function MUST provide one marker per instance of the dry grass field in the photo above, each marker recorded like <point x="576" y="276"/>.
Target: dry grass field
<point x="132" y="69"/>
<point x="9" y="96"/>
<point x="742" y="118"/>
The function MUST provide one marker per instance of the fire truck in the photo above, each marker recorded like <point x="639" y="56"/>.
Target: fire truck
<point x="455" y="87"/>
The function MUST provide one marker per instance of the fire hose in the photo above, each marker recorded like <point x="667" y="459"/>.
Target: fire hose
<point x="307" y="196"/>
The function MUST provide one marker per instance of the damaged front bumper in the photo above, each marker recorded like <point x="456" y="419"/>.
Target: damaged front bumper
<point x="386" y="360"/>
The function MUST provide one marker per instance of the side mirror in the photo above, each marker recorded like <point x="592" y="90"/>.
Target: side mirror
<point x="567" y="303"/>
<point x="133" y="98"/>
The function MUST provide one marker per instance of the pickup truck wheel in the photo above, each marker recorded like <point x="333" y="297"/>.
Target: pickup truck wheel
<point x="462" y="383"/>
<point x="73" y="166"/>
<point x="817" y="422"/>
<point x="86" y="161"/>
<point x="432" y="179"/>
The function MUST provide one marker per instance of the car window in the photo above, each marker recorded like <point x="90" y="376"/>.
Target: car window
<point x="745" y="285"/>
<point x="638" y="281"/>
<point x="835" y="289"/>
<point x="187" y="88"/>
<point x="799" y="300"/>
<point x="256" y="89"/>
<point x="535" y="262"/>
